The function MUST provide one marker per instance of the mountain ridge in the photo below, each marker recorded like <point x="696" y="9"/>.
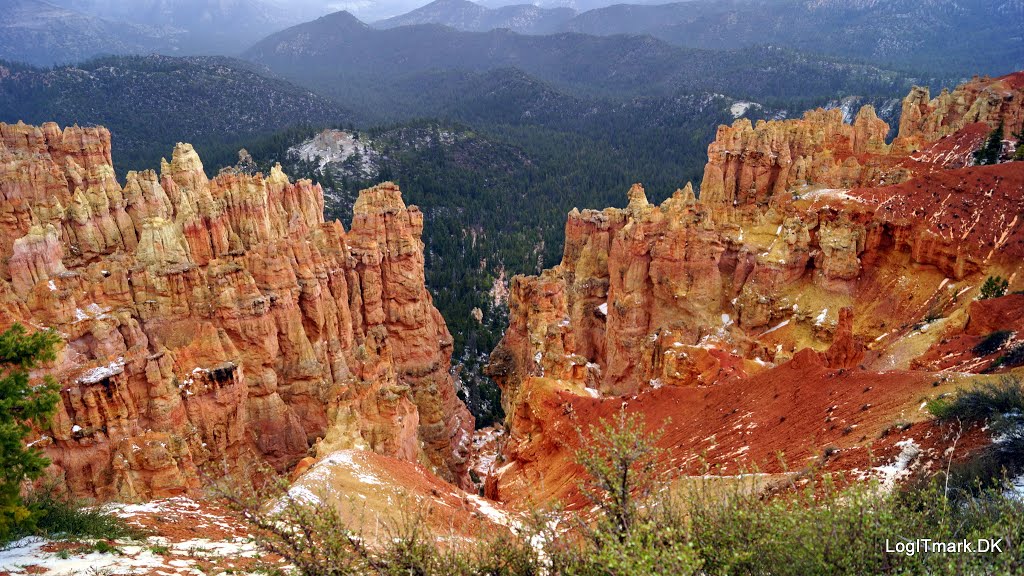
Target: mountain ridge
<point x="470" y="16"/>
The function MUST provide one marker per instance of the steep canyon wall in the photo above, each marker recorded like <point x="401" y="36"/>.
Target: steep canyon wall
<point x="210" y="322"/>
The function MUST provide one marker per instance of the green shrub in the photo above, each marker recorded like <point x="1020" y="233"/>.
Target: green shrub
<point x="991" y="400"/>
<point x="60" y="515"/>
<point x="994" y="287"/>
<point x="1001" y="405"/>
<point x="619" y="459"/>
<point x="1014" y="357"/>
<point x="648" y="549"/>
<point x="991" y="343"/>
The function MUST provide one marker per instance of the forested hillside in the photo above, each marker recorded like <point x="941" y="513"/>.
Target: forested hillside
<point x="151" y="102"/>
<point x="369" y="69"/>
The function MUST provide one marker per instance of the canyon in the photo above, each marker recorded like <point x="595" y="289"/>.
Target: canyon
<point x="797" y="312"/>
<point x="214" y="325"/>
<point x="795" y="308"/>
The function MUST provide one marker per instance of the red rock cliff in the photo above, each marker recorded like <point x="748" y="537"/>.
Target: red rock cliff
<point x="815" y="251"/>
<point x="214" y="321"/>
<point x="749" y="165"/>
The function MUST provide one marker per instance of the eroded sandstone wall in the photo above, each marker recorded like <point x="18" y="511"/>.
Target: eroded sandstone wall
<point x="752" y="165"/>
<point x="809" y="233"/>
<point x="208" y="322"/>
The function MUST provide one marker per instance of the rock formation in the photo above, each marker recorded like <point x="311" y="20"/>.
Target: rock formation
<point x="989" y="101"/>
<point x="749" y="165"/>
<point x="209" y="322"/>
<point x="815" y="249"/>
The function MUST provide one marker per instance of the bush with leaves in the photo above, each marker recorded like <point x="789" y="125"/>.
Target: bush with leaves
<point x="620" y="460"/>
<point x="59" y="515"/>
<point x="999" y="404"/>
<point x="631" y="535"/>
<point x="994" y="287"/>
<point x="991" y="343"/>
<point x="22" y="403"/>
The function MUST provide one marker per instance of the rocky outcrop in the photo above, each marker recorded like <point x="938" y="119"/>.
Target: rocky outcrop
<point x="990" y="101"/>
<point x="753" y="165"/>
<point x="815" y="249"/>
<point x="210" y="322"/>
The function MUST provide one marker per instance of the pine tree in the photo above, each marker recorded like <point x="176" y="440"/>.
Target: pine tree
<point x="990" y="152"/>
<point x="1018" y="155"/>
<point x="22" y="403"/>
<point x="994" y="287"/>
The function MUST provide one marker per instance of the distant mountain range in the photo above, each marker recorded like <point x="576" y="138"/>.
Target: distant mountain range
<point x="41" y="33"/>
<point x="151" y="102"/>
<point x="469" y="16"/>
<point x="966" y="36"/>
<point x="208" y="26"/>
<point x="46" y="32"/>
<point x="342" y="57"/>
<point x="931" y="37"/>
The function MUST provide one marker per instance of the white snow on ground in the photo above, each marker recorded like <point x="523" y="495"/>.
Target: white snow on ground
<point x="485" y="449"/>
<point x="99" y="373"/>
<point x="1017" y="487"/>
<point x="782" y="324"/>
<point x="889" y="474"/>
<point x="153" y="555"/>
<point x="134" y="558"/>
<point x="300" y="493"/>
<point x="830" y="194"/>
<point x="28" y="552"/>
<point x="93" y="311"/>
<point x="821" y="317"/>
<point x="323" y="469"/>
<point x="177" y="506"/>
<point x="492" y="513"/>
<point x="332" y="146"/>
<point x="740" y="108"/>
<point x="603" y="309"/>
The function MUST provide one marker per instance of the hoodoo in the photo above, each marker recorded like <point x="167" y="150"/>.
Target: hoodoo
<point x="212" y="322"/>
<point x="818" y="260"/>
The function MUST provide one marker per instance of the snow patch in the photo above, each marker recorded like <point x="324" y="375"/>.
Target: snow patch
<point x="820" y="319"/>
<point x="782" y="324"/>
<point x="100" y="373"/>
<point x="741" y="107"/>
<point x="900" y="467"/>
